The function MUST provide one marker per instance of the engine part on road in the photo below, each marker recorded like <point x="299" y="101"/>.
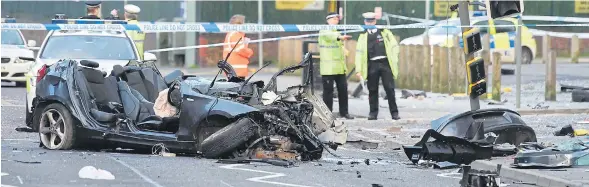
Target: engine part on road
<point x="479" y="178"/>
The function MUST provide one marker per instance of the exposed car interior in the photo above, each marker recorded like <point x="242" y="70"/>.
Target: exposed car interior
<point x="113" y="98"/>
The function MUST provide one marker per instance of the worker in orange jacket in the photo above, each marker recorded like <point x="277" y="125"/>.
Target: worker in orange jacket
<point x="239" y="58"/>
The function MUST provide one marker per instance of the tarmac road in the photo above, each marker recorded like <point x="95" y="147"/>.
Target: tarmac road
<point x="60" y="168"/>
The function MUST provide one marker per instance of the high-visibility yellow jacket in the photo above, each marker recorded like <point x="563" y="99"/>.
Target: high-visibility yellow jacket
<point x="138" y="37"/>
<point x="392" y="50"/>
<point x="331" y="52"/>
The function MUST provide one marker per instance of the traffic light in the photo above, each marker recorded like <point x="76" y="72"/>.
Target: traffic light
<point x="503" y="8"/>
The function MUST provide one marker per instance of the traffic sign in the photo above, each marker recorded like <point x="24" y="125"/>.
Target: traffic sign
<point x="473" y="41"/>
<point x="475" y="70"/>
<point x="477" y="89"/>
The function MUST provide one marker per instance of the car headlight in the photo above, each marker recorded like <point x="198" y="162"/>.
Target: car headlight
<point x="24" y="60"/>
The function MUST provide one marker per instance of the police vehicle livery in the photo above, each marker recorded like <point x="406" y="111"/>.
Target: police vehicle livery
<point x="16" y="55"/>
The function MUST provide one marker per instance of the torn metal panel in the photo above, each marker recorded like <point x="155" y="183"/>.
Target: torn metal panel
<point x="571" y="153"/>
<point x="447" y="148"/>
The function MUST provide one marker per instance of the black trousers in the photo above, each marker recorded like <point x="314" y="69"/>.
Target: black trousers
<point x="376" y="70"/>
<point x="342" y="91"/>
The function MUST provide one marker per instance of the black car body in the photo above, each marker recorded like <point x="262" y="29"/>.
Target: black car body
<point x="78" y="104"/>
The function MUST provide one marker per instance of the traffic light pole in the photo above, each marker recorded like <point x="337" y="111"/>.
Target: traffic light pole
<point x="465" y="22"/>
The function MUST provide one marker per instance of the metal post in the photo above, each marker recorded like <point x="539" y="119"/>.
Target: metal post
<point x="465" y="21"/>
<point x="260" y="35"/>
<point x="518" y="59"/>
<point x="191" y="55"/>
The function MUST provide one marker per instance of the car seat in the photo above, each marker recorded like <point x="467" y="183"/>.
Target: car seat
<point x="102" y="90"/>
<point x="136" y="107"/>
<point x="145" y="81"/>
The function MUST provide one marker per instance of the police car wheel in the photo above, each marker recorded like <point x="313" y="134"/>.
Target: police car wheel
<point x="526" y="56"/>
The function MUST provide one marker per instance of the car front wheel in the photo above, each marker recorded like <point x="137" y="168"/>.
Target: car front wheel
<point x="527" y="56"/>
<point x="56" y="128"/>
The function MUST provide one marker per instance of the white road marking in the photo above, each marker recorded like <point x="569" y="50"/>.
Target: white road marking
<point x="261" y="179"/>
<point x="4" y="185"/>
<point x="147" y="179"/>
<point x="449" y="175"/>
<point x="19" y="179"/>
<point x="227" y="184"/>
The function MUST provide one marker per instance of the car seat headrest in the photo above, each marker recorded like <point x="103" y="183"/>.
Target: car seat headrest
<point x="117" y="70"/>
<point x="90" y="64"/>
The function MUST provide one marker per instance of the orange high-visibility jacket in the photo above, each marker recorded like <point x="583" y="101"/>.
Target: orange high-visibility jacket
<point x="239" y="58"/>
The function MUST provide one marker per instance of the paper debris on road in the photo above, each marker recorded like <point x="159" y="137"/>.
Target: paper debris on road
<point x="90" y="172"/>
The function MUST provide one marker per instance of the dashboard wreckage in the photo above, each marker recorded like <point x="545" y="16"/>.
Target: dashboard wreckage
<point x="79" y="105"/>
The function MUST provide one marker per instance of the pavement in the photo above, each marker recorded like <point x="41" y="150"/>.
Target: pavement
<point x="24" y="163"/>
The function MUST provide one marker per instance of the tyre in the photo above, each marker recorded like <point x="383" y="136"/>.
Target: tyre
<point x="580" y="95"/>
<point x="527" y="56"/>
<point x="228" y="139"/>
<point x="56" y="128"/>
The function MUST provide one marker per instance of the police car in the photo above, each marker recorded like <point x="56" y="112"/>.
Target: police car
<point x="108" y="48"/>
<point x="16" y="55"/>
<point x="504" y="43"/>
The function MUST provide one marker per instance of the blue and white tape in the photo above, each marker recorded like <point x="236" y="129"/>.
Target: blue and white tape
<point x="252" y="41"/>
<point x="220" y="28"/>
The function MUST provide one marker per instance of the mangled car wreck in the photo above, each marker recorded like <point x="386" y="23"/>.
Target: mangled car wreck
<point x="77" y="104"/>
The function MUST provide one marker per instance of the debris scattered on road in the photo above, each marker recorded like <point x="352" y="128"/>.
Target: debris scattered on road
<point x="363" y="144"/>
<point x="354" y="162"/>
<point x="568" y="130"/>
<point x="445" y="165"/>
<point x="565" y="88"/>
<point x="358" y="174"/>
<point x="377" y="185"/>
<point x="566" y="154"/>
<point x="540" y="106"/>
<point x="24" y="129"/>
<point x="24" y="162"/>
<point x="493" y="102"/>
<point x="579" y="95"/>
<point x="337" y="170"/>
<point x="473" y="177"/>
<point x="408" y="94"/>
<point x="275" y="162"/>
<point x="415" y="136"/>
<point x="551" y="126"/>
<point x="90" y="172"/>
<point x="340" y="163"/>
<point x="367" y="161"/>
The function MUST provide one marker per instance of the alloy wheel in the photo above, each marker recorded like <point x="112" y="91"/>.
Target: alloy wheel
<point x="52" y="129"/>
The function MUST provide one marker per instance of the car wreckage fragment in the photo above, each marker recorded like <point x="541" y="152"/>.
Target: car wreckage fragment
<point x="472" y="135"/>
<point x="447" y="148"/>
<point x="568" y="154"/>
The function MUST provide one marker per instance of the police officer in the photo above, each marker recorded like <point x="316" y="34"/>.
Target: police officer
<point x="92" y="10"/>
<point x="377" y="56"/>
<point x="138" y="37"/>
<point x="333" y="66"/>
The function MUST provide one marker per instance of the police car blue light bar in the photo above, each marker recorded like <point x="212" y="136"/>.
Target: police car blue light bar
<point x="479" y="13"/>
<point x="8" y="20"/>
<point x="86" y="21"/>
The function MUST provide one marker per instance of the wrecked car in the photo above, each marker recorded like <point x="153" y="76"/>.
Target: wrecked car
<point x="77" y="104"/>
<point x="472" y="135"/>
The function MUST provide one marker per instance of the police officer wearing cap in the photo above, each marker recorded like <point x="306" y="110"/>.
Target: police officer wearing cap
<point x="92" y="10"/>
<point x="377" y="56"/>
<point x="333" y="66"/>
<point x="131" y="15"/>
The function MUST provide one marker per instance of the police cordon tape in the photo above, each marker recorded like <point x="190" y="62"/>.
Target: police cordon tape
<point x="220" y="28"/>
<point x="252" y="41"/>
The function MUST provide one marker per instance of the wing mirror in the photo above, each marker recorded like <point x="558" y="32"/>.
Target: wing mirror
<point x="32" y="43"/>
<point x="149" y="57"/>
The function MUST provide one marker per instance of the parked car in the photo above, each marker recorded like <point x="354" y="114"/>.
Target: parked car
<point x="442" y="34"/>
<point x="16" y="55"/>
